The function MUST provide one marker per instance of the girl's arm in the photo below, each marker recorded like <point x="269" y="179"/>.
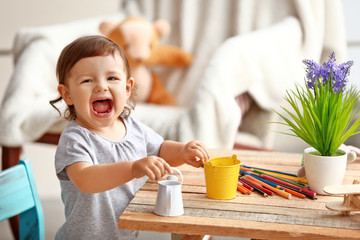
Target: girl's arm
<point x="177" y="153"/>
<point x="99" y="178"/>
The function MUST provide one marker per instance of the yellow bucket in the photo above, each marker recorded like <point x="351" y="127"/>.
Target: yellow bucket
<point x="221" y="177"/>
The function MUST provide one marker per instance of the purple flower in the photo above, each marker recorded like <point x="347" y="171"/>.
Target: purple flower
<point x="313" y="72"/>
<point x="328" y="73"/>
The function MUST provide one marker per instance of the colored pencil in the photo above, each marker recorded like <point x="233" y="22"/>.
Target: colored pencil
<point x="279" y="173"/>
<point x="276" y="190"/>
<point x="246" y="185"/>
<point x="313" y="197"/>
<point x="292" y="192"/>
<point x="248" y="167"/>
<point x="245" y="169"/>
<point x="276" y="185"/>
<point x="269" y="180"/>
<point x="289" y="185"/>
<point x="258" y="186"/>
<point x="295" y="179"/>
<point x="283" y="179"/>
<point x="241" y="184"/>
<point x="242" y="189"/>
<point x="298" y="193"/>
<point x="279" y="179"/>
<point x="257" y="189"/>
<point x="261" y="179"/>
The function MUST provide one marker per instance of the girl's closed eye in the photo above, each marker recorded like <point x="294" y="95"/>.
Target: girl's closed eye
<point x="85" y="81"/>
<point x="113" y="78"/>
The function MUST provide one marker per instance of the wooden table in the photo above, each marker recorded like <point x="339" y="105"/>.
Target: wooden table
<point x="249" y="216"/>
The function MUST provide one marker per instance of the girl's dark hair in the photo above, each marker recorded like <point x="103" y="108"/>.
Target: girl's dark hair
<point x="83" y="47"/>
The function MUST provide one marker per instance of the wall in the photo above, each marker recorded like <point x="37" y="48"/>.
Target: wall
<point x="352" y="18"/>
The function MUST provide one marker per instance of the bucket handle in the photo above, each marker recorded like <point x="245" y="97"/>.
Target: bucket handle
<point x="178" y="171"/>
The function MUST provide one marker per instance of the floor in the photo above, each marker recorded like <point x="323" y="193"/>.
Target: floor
<point x="41" y="157"/>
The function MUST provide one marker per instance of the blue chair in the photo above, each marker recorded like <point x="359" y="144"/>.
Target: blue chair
<point x="19" y="196"/>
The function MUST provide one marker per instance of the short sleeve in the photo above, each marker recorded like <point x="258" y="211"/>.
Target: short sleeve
<point x="73" y="147"/>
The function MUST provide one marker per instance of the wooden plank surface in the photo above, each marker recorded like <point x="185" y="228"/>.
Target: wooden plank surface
<point x="251" y="215"/>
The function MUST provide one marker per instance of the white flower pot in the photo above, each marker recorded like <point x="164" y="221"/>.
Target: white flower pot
<point x="322" y="171"/>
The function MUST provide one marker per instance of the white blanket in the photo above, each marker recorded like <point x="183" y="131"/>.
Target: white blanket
<point x="238" y="46"/>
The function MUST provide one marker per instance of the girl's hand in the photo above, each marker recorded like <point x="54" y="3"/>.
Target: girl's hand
<point x="154" y="167"/>
<point x="194" y="153"/>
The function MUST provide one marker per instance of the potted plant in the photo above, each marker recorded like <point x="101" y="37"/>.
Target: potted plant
<point x="323" y="114"/>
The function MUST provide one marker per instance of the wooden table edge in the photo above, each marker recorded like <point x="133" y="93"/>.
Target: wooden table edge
<point x="191" y="225"/>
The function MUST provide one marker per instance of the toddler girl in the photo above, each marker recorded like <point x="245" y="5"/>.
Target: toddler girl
<point x="105" y="156"/>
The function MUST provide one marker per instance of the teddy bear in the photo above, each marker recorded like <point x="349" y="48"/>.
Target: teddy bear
<point x="139" y="38"/>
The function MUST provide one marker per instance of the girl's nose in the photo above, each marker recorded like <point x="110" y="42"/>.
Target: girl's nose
<point x="101" y="86"/>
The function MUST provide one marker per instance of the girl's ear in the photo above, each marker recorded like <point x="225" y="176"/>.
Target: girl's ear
<point x="65" y="94"/>
<point x="129" y="86"/>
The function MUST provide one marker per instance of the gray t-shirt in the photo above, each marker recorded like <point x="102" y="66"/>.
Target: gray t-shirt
<point x="95" y="215"/>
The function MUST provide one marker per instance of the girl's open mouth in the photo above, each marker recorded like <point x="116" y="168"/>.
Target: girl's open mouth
<point x="102" y="107"/>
